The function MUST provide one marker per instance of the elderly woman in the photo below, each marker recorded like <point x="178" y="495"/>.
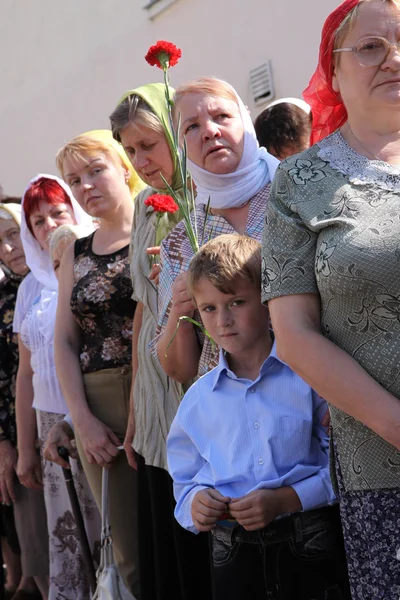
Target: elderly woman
<point x="234" y="173"/>
<point x="331" y="276"/>
<point x="172" y="558"/>
<point x="28" y="505"/>
<point x="94" y="329"/>
<point x="47" y="205"/>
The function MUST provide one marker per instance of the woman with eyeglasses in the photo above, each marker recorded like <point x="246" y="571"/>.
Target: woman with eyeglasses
<point x="331" y="256"/>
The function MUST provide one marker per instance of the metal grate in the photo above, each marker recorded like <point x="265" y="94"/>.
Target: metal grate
<point x="262" y="86"/>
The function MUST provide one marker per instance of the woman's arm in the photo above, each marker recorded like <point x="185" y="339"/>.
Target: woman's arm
<point x="180" y="360"/>
<point x="29" y="470"/>
<point x="98" y="440"/>
<point x="130" y="430"/>
<point x="333" y="373"/>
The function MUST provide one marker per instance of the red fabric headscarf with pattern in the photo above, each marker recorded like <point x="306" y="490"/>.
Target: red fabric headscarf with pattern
<point x="327" y="109"/>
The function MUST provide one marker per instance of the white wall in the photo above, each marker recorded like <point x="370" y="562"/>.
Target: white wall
<point x="64" y="65"/>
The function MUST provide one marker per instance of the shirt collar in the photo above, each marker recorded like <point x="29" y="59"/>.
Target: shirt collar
<point x="223" y="368"/>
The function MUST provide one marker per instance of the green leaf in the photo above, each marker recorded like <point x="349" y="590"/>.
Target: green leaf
<point x="197" y="324"/>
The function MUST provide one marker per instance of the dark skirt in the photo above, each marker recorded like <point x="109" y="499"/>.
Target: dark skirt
<point x="7" y="528"/>
<point x="173" y="562"/>
<point x="371" y="530"/>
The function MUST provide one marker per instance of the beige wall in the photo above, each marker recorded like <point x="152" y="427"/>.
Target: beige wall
<point x="65" y="64"/>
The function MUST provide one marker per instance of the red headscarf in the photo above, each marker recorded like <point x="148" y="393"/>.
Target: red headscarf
<point x="327" y="109"/>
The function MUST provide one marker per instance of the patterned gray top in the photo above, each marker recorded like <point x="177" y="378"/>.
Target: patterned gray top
<point x="333" y="228"/>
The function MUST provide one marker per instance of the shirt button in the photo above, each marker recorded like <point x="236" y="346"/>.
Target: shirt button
<point x="253" y="390"/>
<point x="256" y="425"/>
<point x="260" y="461"/>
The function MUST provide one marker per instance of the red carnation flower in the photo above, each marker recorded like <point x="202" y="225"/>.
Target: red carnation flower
<point x="161" y="203"/>
<point x="163" y="55"/>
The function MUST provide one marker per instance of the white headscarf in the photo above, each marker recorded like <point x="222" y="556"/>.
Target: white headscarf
<point x="40" y="263"/>
<point x="14" y="210"/>
<point x="296" y="101"/>
<point x="231" y="190"/>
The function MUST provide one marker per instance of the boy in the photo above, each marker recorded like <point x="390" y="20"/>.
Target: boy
<point x="247" y="451"/>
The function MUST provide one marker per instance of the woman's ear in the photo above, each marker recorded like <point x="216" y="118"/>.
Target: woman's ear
<point x="128" y="174"/>
<point x="335" y="83"/>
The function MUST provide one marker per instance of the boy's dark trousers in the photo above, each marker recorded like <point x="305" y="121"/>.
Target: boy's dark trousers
<point x="298" y="557"/>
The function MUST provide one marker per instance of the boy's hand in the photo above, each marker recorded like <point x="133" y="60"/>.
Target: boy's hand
<point x="207" y="507"/>
<point x="259" y="508"/>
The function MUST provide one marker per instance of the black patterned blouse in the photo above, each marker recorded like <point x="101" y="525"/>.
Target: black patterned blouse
<point x="8" y="360"/>
<point x="101" y="302"/>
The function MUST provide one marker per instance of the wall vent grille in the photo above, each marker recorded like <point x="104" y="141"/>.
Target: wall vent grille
<point x="262" y="86"/>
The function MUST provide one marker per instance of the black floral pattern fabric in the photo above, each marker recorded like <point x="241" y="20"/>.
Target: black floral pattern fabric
<point x="8" y="361"/>
<point x="327" y="232"/>
<point x="371" y="531"/>
<point x="102" y="304"/>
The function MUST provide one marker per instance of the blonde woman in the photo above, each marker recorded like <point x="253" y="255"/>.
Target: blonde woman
<point x="93" y="336"/>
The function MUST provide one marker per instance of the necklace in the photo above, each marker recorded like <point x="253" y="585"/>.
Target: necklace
<point x="362" y="145"/>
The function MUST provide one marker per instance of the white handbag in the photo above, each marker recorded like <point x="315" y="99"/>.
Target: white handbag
<point x="110" y="585"/>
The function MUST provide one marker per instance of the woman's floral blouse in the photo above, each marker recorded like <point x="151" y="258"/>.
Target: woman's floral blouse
<point x="333" y="229"/>
<point x="102" y="304"/>
<point x="8" y="361"/>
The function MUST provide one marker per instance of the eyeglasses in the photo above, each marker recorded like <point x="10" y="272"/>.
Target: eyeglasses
<point x="372" y="51"/>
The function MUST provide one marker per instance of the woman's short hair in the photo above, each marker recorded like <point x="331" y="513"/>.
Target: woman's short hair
<point x="283" y="126"/>
<point x="209" y="86"/>
<point x="224" y="260"/>
<point x="67" y="232"/>
<point x="43" y="190"/>
<point x="84" y="144"/>
<point x="134" y="110"/>
<point x="348" y="23"/>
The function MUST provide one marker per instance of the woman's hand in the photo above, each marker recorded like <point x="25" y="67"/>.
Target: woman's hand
<point x="29" y="470"/>
<point x="99" y="441"/>
<point x="8" y="463"/>
<point x="182" y="305"/>
<point x="130" y="434"/>
<point x="156" y="268"/>
<point x="59" y="435"/>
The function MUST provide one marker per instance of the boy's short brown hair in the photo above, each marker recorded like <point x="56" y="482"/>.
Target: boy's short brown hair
<point x="224" y="260"/>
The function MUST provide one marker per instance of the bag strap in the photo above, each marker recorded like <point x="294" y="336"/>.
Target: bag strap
<point x="107" y="553"/>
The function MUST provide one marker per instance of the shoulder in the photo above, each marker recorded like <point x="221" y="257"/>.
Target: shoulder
<point x="193" y="398"/>
<point x="142" y="212"/>
<point x="29" y="288"/>
<point x="176" y="250"/>
<point x="8" y="294"/>
<point x="28" y="291"/>
<point x="305" y="183"/>
<point x="82" y="245"/>
<point x="305" y="167"/>
<point x="142" y="196"/>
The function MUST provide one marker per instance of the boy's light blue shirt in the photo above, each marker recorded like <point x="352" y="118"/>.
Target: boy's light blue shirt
<point x="238" y="435"/>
